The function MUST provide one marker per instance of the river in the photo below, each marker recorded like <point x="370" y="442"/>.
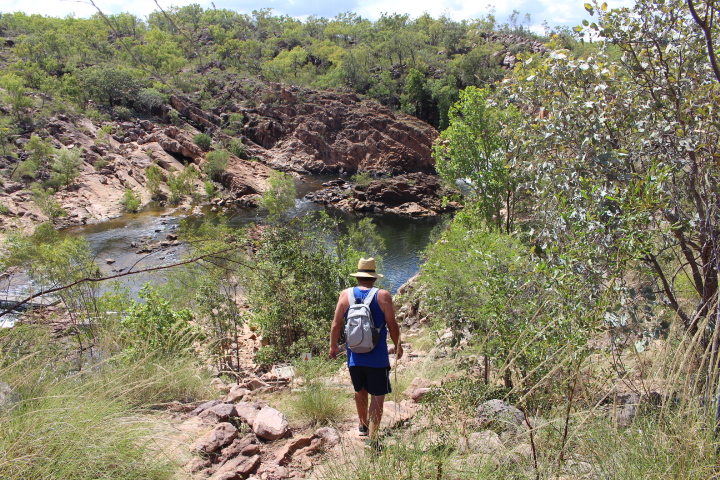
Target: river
<point x="405" y="238"/>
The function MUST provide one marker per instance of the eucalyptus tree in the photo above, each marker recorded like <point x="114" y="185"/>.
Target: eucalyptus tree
<point x="626" y="154"/>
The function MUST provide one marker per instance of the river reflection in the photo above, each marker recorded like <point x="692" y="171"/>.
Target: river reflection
<point x="117" y="241"/>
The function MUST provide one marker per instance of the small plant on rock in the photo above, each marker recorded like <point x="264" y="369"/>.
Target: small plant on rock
<point x="203" y="140"/>
<point x="215" y="163"/>
<point x="237" y="148"/>
<point x="130" y="201"/>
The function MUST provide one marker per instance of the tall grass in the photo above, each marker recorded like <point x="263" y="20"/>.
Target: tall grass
<point x="316" y="402"/>
<point x="96" y="423"/>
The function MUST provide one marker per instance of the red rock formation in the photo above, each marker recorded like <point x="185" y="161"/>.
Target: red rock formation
<point x="326" y="132"/>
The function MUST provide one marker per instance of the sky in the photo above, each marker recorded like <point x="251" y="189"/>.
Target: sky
<point x="555" y="12"/>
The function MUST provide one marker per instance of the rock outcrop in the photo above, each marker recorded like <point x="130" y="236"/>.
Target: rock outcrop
<point x="116" y="162"/>
<point x="309" y="131"/>
<point x="414" y="194"/>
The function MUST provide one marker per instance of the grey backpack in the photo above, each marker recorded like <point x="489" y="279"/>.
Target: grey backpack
<point x="361" y="334"/>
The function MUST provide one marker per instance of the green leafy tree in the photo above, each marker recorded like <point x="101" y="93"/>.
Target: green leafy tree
<point x="293" y="287"/>
<point x="627" y="152"/>
<point x="15" y="94"/>
<point x="110" y="85"/>
<point x="66" y="167"/>
<point x="473" y="150"/>
<point x="416" y="99"/>
<point x="153" y="177"/>
<point x="525" y="315"/>
<point x="39" y="153"/>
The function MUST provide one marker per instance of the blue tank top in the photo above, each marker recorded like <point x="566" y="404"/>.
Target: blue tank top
<point x="378" y="356"/>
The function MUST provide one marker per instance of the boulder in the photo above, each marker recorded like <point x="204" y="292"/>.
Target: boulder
<point x="218" y="413"/>
<point x="253" y="384"/>
<point x="417" y="395"/>
<point x="329" y="436"/>
<point x="418" y="383"/>
<point x="202" y="407"/>
<point x="248" y="412"/>
<point x="270" y="424"/>
<point x="501" y="417"/>
<point x="236" y="394"/>
<point x="484" y="442"/>
<point x="395" y="414"/>
<point x="223" y="434"/>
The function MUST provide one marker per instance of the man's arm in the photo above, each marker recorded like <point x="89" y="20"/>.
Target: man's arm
<point x="386" y="304"/>
<point x="340" y="309"/>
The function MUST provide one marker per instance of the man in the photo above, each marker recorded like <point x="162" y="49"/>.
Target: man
<point x="370" y="372"/>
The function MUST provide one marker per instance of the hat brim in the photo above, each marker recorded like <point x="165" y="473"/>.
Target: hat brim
<point x="366" y="275"/>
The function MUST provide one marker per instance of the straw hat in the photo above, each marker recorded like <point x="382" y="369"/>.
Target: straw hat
<point x="366" y="269"/>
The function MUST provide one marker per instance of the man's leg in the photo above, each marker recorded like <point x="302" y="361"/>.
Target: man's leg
<point x="361" y="403"/>
<point x="376" y="412"/>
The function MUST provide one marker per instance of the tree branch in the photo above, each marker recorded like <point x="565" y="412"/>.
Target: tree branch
<point x="667" y="289"/>
<point x="706" y="27"/>
<point x="111" y="277"/>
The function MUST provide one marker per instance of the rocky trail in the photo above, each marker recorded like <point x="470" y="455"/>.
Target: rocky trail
<point x="241" y="434"/>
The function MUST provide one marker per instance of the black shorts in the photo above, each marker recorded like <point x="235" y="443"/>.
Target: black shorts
<point x="375" y="381"/>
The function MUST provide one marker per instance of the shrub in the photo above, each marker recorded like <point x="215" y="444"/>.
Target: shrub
<point x="130" y="201"/>
<point x="281" y="194"/>
<point x="154" y="328"/>
<point x="153" y="176"/>
<point x="174" y="117"/>
<point x="123" y="113"/>
<point x="237" y="148"/>
<point x="26" y="170"/>
<point x="203" y="140"/>
<point x="215" y="163"/>
<point x="180" y="184"/>
<point x="149" y="98"/>
<point x="47" y="203"/>
<point x="362" y="179"/>
<point x="67" y="166"/>
<point x="210" y="188"/>
<point x="103" y="134"/>
<point x="290" y="262"/>
<point x="100" y="164"/>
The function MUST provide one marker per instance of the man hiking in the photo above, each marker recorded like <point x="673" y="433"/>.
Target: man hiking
<point x="370" y="371"/>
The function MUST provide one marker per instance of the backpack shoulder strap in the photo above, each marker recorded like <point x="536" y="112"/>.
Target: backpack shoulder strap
<point x="351" y="296"/>
<point x="370" y="296"/>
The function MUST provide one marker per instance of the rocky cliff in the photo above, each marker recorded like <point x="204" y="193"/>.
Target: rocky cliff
<point x="308" y="131"/>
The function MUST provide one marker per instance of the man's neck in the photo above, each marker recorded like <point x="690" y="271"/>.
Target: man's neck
<point x="366" y="283"/>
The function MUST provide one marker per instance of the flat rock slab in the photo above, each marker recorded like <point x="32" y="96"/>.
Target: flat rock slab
<point x="237" y="468"/>
<point x="395" y="414"/>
